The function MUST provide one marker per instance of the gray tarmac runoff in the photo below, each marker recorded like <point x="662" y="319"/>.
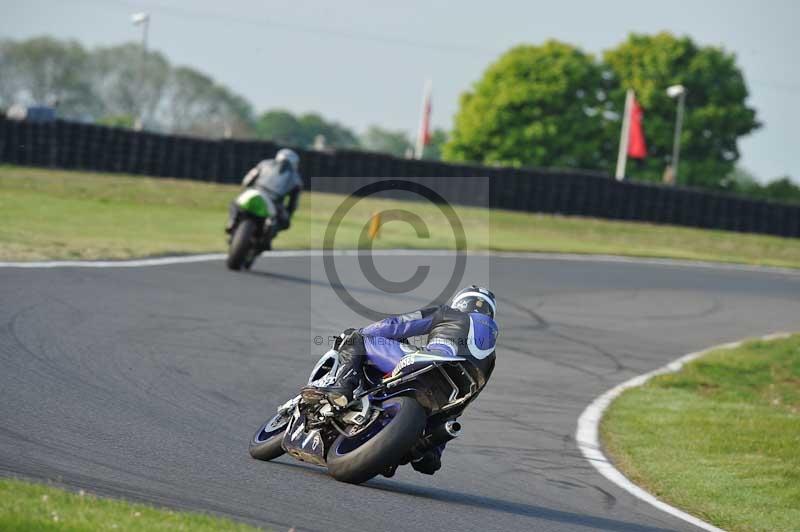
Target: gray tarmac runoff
<point x="146" y="383"/>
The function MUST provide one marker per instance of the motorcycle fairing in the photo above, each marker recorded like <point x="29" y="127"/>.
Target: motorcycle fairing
<point x="304" y="445"/>
<point x="419" y="360"/>
<point x="255" y="202"/>
<point x="325" y="369"/>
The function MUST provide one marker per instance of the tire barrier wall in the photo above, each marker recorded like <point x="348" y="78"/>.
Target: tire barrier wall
<point x="77" y="146"/>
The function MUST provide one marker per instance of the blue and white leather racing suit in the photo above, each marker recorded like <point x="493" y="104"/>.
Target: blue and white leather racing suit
<point x="450" y="332"/>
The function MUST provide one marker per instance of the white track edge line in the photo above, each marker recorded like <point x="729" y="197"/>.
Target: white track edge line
<point x="157" y="261"/>
<point x="573" y="257"/>
<point x="587" y="434"/>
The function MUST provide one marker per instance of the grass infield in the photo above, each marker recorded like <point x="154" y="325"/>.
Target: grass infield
<point x="55" y="214"/>
<point x="720" y="439"/>
<point x="26" y="506"/>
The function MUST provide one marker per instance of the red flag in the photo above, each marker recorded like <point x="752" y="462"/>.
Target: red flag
<point x="425" y="127"/>
<point x="424" y="133"/>
<point x="637" y="148"/>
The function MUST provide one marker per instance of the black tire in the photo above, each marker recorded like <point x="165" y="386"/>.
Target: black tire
<point x="266" y="444"/>
<point x="249" y="259"/>
<point x="386" y="448"/>
<point x="240" y="243"/>
<point x="264" y="245"/>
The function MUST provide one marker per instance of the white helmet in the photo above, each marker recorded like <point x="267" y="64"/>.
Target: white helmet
<point x="289" y="156"/>
<point x="475" y="299"/>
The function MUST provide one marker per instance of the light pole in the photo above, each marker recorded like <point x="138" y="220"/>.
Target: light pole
<point x="143" y="20"/>
<point x="679" y="92"/>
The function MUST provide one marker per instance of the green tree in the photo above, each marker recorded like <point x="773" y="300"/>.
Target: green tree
<point x="280" y="126"/>
<point x="336" y="135"/>
<point x="125" y="83"/>
<point x="113" y="86"/>
<point x="284" y="127"/>
<point x="744" y="183"/>
<point x="45" y="71"/>
<point x="194" y="103"/>
<point x="782" y="189"/>
<point x="535" y="106"/>
<point x="383" y="140"/>
<point x="716" y="110"/>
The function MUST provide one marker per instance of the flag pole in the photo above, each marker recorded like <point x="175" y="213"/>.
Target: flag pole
<point x="624" y="136"/>
<point x="424" y="120"/>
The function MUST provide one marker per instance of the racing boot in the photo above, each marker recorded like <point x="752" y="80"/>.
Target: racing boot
<point x="351" y="358"/>
<point x="429" y="463"/>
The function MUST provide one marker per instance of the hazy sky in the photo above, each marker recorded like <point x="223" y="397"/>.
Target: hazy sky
<point x="364" y="62"/>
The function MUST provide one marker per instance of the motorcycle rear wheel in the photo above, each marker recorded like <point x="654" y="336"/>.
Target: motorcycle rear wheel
<point x="385" y="443"/>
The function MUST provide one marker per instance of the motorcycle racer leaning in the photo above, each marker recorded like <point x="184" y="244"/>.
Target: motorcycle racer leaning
<point x="280" y="179"/>
<point x="464" y="328"/>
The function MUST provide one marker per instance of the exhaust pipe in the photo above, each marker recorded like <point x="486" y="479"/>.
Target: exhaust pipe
<point x="436" y="437"/>
<point x="443" y="434"/>
<point x="453" y="429"/>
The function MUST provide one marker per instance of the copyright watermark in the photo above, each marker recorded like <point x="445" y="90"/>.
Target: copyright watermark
<point x="366" y="260"/>
<point x="389" y="246"/>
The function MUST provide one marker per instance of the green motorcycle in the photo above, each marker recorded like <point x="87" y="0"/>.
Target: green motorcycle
<point x="251" y="228"/>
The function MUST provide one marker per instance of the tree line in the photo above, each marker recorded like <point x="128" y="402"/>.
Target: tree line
<point x="554" y="105"/>
<point x="119" y="84"/>
<point x="303" y="130"/>
<point x="551" y="105"/>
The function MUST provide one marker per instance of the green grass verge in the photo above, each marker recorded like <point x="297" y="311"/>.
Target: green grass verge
<point x="53" y="214"/>
<point x="719" y="439"/>
<point x="28" y="506"/>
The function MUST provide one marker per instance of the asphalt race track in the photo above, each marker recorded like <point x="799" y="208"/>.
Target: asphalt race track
<point x="146" y="383"/>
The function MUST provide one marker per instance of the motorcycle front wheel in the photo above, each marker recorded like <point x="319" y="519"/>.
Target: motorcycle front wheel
<point x="385" y="442"/>
<point x="241" y="243"/>
<point x="266" y="442"/>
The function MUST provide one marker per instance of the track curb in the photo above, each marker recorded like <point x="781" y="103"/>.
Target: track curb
<point x="587" y="434"/>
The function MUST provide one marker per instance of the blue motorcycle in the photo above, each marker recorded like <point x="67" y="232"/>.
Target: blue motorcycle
<point x="392" y="419"/>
